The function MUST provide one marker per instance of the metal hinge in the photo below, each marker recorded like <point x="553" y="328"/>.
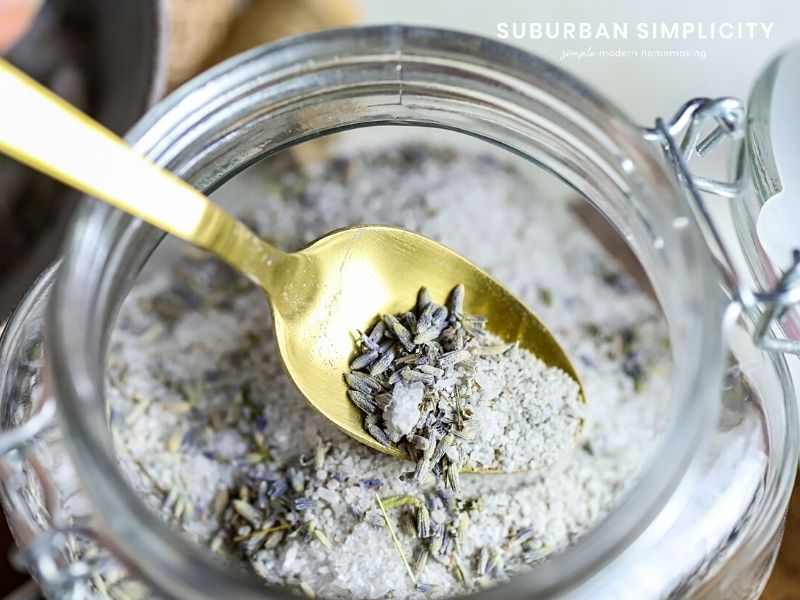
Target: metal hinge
<point x="765" y="307"/>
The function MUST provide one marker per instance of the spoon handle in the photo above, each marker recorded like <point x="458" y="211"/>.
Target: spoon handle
<point x="48" y="134"/>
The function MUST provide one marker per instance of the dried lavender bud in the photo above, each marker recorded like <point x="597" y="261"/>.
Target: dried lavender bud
<point x="248" y="512"/>
<point x="469" y="364"/>
<point x="460" y="339"/>
<point x="437" y="540"/>
<point x="430" y="370"/>
<point x="319" y="455"/>
<point x="452" y="478"/>
<point x="274" y="539"/>
<point x="383" y="363"/>
<point x="495" y="564"/>
<point x="362" y="401"/>
<point x="423" y="522"/>
<point x="278" y="489"/>
<point x="371" y="425"/>
<point x="367" y="342"/>
<point x="403" y="334"/>
<point x="323" y="539"/>
<point x="421" y="469"/>
<point x="449" y="360"/>
<point x="483" y="561"/>
<point x="365" y="359"/>
<point x="377" y="333"/>
<point x="442" y="447"/>
<point x="262" y="499"/>
<point x="426" y="335"/>
<point x="426" y="316"/>
<point x="357" y="385"/>
<point x="456" y="303"/>
<point x="419" y="567"/>
<point x="412" y="375"/>
<point x="410" y="321"/>
<point x="363" y="382"/>
<point x="253" y="544"/>
<point x="428" y="588"/>
<point x="408" y="359"/>
<point x="440" y="317"/>
<point x="423" y="299"/>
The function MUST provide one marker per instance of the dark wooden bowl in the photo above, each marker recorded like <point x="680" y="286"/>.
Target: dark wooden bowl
<point x="105" y="57"/>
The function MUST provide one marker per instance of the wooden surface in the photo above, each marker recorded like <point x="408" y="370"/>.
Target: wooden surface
<point x="785" y="581"/>
<point x="9" y="578"/>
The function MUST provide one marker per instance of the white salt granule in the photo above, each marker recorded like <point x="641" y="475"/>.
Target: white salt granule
<point x="194" y="355"/>
<point x="402" y="413"/>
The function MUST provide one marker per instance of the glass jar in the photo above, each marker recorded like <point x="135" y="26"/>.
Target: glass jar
<point x="711" y="500"/>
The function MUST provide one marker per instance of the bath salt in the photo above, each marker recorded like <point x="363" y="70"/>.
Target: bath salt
<point x="530" y="413"/>
<point x="212" y="434"/>
<point x="451" y="395"/>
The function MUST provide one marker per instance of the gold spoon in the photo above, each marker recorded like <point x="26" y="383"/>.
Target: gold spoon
<point x="319" y="296"/>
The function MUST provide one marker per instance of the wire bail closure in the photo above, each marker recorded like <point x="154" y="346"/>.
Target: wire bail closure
<point x="46" y="544"/>
<point x="765" y="307"/>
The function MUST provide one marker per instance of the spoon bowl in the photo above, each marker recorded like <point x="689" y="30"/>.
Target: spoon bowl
<point x="320" y="296"/>
<point x="340" y="283"/>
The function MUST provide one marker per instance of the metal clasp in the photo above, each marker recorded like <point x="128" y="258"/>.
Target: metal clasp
<point x="766" y="307"/>
<point x="42" y="542"/>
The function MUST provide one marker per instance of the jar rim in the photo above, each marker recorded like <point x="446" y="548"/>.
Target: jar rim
<point x="178" y="568"/>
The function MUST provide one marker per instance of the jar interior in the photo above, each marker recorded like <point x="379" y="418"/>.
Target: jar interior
<point x="177" y="415"/>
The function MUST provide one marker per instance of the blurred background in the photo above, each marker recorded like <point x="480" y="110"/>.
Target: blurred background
<point x="115" y="59"/>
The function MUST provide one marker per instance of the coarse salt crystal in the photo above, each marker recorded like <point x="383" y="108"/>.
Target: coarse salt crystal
<point x="402" y="413"/>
